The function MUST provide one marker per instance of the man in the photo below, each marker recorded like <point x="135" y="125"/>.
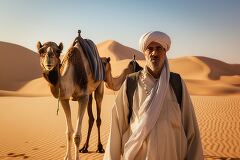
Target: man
<point x="159" y="129"/>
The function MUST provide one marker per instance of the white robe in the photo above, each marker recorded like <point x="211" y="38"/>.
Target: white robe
<point x="176" y="133"/>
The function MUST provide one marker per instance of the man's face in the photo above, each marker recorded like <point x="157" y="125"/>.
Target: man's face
<point x="155" y="55"/>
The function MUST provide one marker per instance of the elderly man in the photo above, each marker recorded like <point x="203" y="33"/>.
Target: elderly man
<point x="158" y="128"/>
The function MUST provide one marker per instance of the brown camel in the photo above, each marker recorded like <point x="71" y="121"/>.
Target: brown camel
<point x="72" y="79"/>
<point x="113" y="83"/>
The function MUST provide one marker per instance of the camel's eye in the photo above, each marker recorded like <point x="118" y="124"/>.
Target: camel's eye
<point x="58" y="52"/>
<point x="104" y="63"/>
<point x="42" y="51"/>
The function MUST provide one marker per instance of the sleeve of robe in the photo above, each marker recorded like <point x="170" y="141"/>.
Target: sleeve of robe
<point x="194" y="145"/>
<point x="119" y="124"/>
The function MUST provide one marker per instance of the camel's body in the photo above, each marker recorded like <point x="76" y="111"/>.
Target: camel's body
<point x="73" y="79"/>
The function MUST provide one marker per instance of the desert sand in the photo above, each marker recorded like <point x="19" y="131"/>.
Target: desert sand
<point x="30" y="128"/>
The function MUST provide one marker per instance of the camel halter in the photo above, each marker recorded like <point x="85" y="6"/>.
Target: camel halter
<point x="59" y="90"/>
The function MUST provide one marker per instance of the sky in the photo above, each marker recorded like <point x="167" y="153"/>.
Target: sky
<point x="209" y="28"/>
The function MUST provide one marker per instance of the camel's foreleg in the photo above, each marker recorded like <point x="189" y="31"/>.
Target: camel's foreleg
<point x="69" y="131"/>
<point x="83" y="101"/>
<point x="90" y="125"/>
<point x="98" y="95"/>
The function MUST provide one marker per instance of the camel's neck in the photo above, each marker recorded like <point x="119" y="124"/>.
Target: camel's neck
<point x="53" y="78"/>
<point x="115" y="83"/>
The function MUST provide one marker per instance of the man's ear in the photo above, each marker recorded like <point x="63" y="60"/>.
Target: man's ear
<point x="108" y="59"/>
<point x="60" y="46"/>
<point x="39" y="45"/>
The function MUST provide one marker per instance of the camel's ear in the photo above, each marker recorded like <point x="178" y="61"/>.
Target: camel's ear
<point x="60" y="46"/>
<point x="39" y="45"/>
<point x="108" y="59"/>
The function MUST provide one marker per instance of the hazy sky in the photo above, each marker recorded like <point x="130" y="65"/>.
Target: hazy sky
<point x="208" y="28"/>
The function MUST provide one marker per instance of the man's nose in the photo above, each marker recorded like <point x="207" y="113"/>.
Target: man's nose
<point x="155" y="52"/>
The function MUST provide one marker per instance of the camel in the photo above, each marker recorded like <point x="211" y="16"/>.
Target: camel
<point x="113" y="83"/>
<point x="72" y="79"/>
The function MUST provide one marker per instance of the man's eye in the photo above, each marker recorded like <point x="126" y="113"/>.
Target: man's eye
<point x="159" y="48"/>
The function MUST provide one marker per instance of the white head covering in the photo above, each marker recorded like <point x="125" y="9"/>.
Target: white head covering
<point x="155" y="36"/>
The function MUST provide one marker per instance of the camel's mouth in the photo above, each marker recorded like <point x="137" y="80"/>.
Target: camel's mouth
<point x="48" y="67"/>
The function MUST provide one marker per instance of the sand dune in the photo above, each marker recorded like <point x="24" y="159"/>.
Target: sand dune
<point x="203" y="75"/>
<point x="117" y="51"/>
<point x="207" y="76"/>
<point x="36" y="87"/>
<point x="218" y="68"/>
<point x="198" y="67"/>
<point x="197" y="75"/>
<point x="218" y="118"/>
<point x="197" y="82"/>
<point x="18" y="65"/>
<point x="30" y="128"/>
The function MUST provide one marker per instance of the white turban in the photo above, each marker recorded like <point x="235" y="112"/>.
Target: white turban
<point x="155" y="36"/>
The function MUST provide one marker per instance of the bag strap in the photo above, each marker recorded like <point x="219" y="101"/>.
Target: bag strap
<point x="132" y="79"/>
<point x="176" y="83"/>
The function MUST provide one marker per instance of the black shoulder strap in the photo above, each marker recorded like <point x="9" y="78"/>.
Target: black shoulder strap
<point x="176" y="83"/>
<point x="132" y="80"/>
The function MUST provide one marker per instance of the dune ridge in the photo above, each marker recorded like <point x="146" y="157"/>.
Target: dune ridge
<point x="117" y="51"/>
<point x="18" y="65"/>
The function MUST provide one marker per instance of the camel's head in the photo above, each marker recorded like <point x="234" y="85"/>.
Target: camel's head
<point x="134" y="66"/>
<point x="106" y="63"/>
<point x="49" y="54"/>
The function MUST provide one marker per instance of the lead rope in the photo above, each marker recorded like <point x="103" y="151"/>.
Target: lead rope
<point x="58" y="100"/>
<point x="59" y="92"/>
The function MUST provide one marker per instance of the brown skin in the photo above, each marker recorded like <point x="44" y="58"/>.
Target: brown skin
<point x="155" y="55"/>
